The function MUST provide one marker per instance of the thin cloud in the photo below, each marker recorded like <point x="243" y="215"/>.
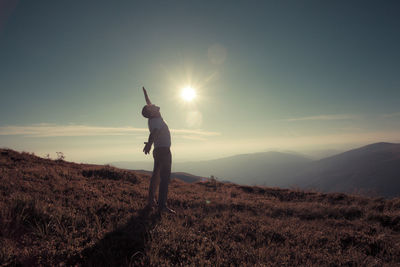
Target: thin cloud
<point x="391" y="115"/>
<point x="324" y="118"/>
<point x="48" y="130"/>
<point x="194" y="137"/>
<point x="197" y="132"/>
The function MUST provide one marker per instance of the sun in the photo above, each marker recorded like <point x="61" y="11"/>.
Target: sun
<point x="188" y="94"/>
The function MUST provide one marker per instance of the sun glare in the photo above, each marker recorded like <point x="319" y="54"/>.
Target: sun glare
<point x="188" y="94"/>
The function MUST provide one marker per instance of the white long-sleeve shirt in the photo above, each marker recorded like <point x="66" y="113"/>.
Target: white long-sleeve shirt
<point x="163" y="138"/>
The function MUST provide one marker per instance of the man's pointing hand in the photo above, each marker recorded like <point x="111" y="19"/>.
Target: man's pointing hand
<point x="146" y="97"/>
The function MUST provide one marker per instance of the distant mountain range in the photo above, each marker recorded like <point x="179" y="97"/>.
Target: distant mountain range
<point x="265" y="168"/>
<point x="257" y="168"/>
<point x="373" y="169"/>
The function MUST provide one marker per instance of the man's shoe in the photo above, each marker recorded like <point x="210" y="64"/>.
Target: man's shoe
<point x="150" y="206"/>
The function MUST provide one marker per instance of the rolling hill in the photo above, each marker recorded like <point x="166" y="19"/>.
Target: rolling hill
<point x="373" y="168"/>
<point x="57" y="213"/>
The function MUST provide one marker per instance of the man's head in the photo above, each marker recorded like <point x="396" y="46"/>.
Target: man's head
<point x="151" y="111"/>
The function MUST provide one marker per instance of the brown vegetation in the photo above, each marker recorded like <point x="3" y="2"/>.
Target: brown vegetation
<point x="61" y="213"/>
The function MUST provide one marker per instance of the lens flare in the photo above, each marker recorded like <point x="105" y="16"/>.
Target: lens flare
<point x="188" y="94"/>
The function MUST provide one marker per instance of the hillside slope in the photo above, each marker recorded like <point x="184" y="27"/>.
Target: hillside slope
<point x="56" y="213"/>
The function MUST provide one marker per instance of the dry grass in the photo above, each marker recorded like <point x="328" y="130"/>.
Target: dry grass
<point x="60" y="213"/>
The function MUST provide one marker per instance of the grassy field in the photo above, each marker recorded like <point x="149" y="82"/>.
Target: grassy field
<point x="59" y="213"/>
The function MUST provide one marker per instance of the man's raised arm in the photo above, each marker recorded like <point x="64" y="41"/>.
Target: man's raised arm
<point x="146" y="96"/>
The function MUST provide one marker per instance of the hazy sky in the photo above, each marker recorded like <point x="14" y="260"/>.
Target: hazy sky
<point x="286" y="75"/>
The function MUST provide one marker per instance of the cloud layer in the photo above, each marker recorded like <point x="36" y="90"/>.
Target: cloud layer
<point x="325" y="117"/>
<point x="50" y="130"/>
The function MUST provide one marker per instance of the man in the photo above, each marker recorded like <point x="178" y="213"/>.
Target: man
<point x="160" y="136"/>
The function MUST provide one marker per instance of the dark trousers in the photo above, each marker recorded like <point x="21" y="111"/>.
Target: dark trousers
<point x="161" y="175"/>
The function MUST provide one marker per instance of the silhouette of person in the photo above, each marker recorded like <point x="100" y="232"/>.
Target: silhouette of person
<point x="160" y="136"/>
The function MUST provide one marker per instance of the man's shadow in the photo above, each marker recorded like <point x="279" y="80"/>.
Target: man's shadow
<point x="125" y="245"/>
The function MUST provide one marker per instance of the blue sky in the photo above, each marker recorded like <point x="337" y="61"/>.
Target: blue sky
<point x="270" y="75"/>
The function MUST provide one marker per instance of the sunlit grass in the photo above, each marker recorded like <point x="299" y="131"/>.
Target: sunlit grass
<point x="92" y="215"/>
